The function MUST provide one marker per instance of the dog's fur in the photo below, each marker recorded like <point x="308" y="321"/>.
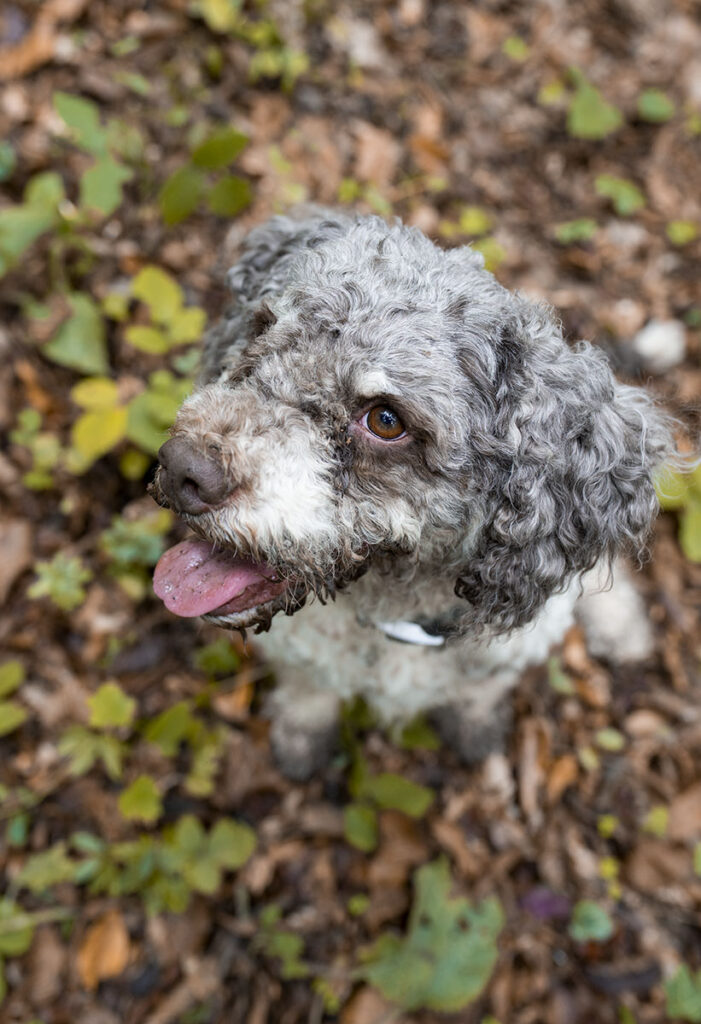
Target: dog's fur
<point x="527" y="465"/>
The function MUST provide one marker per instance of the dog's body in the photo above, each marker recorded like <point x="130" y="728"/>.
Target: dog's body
<point x="380" y="417"/>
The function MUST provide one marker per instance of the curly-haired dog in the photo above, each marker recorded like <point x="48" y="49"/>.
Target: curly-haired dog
<point x="379" y="417"/>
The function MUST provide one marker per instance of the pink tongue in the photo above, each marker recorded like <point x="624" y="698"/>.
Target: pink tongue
<point x="192" y="580"/>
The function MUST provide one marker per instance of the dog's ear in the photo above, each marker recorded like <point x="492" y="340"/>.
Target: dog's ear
<point x="564" y="471"/>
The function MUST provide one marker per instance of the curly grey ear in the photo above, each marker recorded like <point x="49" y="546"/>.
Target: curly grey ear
<point x="566" y="474"/>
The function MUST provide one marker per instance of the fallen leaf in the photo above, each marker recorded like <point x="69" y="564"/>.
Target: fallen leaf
<point x="104" y="952"/>
<point x="684" y="820"/>
<point x="15" y="552"/>
<point x="562" y="775"/>
<point x="376" y="154"/>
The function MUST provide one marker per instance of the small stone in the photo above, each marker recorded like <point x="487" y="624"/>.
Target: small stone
<point x="661" y="345"/>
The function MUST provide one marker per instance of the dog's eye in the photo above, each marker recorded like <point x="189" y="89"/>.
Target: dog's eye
<point x="383" y="422"/>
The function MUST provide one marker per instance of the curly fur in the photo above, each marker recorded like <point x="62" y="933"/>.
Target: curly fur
<point x="528" y="463"/>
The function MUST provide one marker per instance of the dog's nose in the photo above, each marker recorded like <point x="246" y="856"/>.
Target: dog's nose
<point x="192" y="482"/>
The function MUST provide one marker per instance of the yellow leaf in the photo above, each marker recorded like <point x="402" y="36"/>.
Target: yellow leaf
<point x="96" y="433"/>
<point x="95" y="393"/>
<point x="188" y="325"/>
<point x="148" y="339"/>
<point x="161" y="293"/>
<point x="104" y="952"/>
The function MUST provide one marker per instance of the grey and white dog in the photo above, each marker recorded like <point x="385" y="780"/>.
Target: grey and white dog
<point x="409" y="461"/>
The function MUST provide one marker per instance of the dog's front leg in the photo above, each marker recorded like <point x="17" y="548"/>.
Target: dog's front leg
<point x="479" y="724"/>
<point x="304" y="730"/>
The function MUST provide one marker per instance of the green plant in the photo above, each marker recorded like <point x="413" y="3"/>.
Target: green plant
<point x="681" y="492"/>
<point x="38" y="213"/>
<point x="12" y="714"/>
<point x="190" y="184"/>
<point x="280" y="943"/>
<point x="572" y="231"/>
<point x="625" y="196"/>
<point x="590" y="116"/>
<point x="682" y="232"/>
<point x="43" y="446"/>
<point x="683" y="992"/>
<point x="448" y="953"/>
<point x="172" y="323"/>
<point x="61" y="580"/>
<point x="101" y="183"/>
<point x="655" y="105"/>
<point x="590" y="923"/>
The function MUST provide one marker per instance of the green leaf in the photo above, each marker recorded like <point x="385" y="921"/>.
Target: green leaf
<point x="83" y="117"/>
<point x="474" y="221"/>
<point x="84" y="748"/>
<point x="80" y="341"/>
<point x="656" y="821"/>
<point x="110" y="707"/>
<point x="682" y="232"/>
<point x="590" y="116"/>
<point x="448" y="954"/>
<point x="11" y="677"/>
<point x="231" y="844"/>
<point x="8" y="160"/>
<point x="625" y="196"/>
<point x="393" y="792"/>
<point x="419" y="735"/>
<point x="559" y="681"/>
<point x="19" y="227"/>
<point x="45" y="191"/>
<point x="141" y="801"/>
<point x="181" y="194"/>
<point x="42" y="870"/>
<point x="590" y="923"/>
<point x="683" y="992"/>
<point x="61" y="579"/>
<point x="288" y="947"/>
<point x="672" y="489"/>
<point x="95" y="394"/>
<point x="218" y="658"/>
<point x="360" y="827"/>
<point x="219" y="149"/>
<point x="493" y="253"/>
<point x="168" y="730"/>
<point x="135" y="542"/>
<point x="690" y="531"/>
<point x="12" y="715"/>
<point x="160" y="292"/>
<point x="94" y="434"/>
<point x="610" y="739"/>
<point x="101" y="185"/>
<point x="147" y="339"/>
<point x="187" y="325"/>
<point x="230" y="196"/>
<point x="220" y="15"/>
<point x="580" y="230"/>
<point x="516" y="48"/>
<point x="655" y="105"/>
<point x="16" y="930"/>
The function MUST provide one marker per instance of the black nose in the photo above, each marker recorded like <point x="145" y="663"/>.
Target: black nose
<point x="192" y="482"/>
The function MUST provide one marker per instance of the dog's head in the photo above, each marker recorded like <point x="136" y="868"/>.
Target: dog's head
<point x="392" y="405"/>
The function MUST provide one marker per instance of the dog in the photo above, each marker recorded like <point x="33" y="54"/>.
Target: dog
<point x="409" y="462"/>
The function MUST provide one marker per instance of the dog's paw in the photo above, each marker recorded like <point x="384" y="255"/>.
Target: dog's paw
<point x="473" y="739"/>
<point x="301" y="753"/>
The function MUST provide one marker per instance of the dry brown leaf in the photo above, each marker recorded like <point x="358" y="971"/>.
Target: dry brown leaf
<point x="563" y="774"/>
<point x="377" y="154"/>
<point x="104" y="951"/>
<point x="368" y="1007"/>
<point x="15" y="552"/>
<point x="470" y="862"/>
<point x="47" y="963"/>
<point x="655" y="865"/>
<point x="684" y="820"/>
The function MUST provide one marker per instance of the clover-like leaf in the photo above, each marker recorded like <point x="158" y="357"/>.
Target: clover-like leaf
<point x="80" y="341"/>
<point x="181" y="194"/>
<point x="160" y="292"/>
<point x="111" y="707"/>
<point x="101" y="185"/>
<point x="83" y="118"/>
<point x="11" y="677"/>
<point x="448" y="954"/>
<point x="625" y="196"/>
<point x="655" y="105"/>
<point x="96" y="433"/>
<point x="229" y="196"/>
<point x="590" y="116"/>
<point x="219" y="149"/>
<point x="590" y="923"/>
<point x="141" y="801"/>
<point x="61" y="579"/>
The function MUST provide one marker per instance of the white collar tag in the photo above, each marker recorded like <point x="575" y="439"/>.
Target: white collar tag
<point x="410" y="633"/>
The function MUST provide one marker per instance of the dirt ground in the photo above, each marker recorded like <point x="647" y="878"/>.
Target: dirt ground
<point x="462" y="119"/>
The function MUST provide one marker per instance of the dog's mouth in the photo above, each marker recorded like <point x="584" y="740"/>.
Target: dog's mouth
<point x="195" y="578"/>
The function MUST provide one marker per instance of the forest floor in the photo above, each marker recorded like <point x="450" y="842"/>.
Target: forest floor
<point x="156" y="865"/>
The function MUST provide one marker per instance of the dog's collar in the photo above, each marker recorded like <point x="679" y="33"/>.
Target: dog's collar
<point x="425" y="631"/>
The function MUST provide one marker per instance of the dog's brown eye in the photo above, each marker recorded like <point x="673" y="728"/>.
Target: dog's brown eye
<point x="383" y="422"/>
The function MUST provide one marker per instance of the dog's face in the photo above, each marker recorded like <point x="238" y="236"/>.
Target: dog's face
<point x="392" y="405"/>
